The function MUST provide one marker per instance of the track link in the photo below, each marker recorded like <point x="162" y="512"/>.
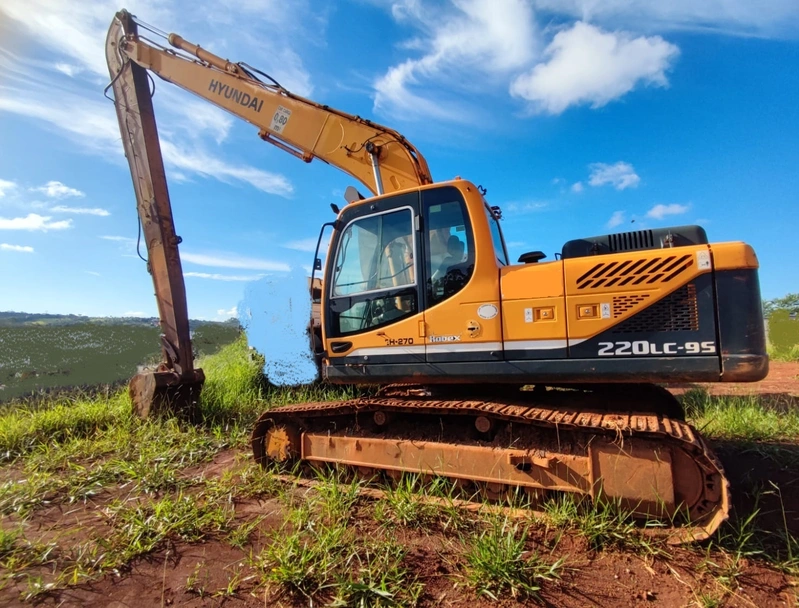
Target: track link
<point x="554" y="441"/>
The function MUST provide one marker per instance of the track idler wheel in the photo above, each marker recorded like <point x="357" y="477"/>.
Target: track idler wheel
<point x="272" y="442"/>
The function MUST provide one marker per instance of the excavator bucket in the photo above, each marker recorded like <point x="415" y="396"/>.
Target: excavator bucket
<point x="165" y="393"/>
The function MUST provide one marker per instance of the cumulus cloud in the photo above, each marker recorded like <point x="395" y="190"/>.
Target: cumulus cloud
<point x="616" y="219"/>
<point x="6" y="187"/>
<point x="33" y="221"/>
<point x="577" y="187"/>
<point x="589" y="66"/>
<point x="485" y="37"/>
<point x="658" y="212"/>
<point x="81" y="210"/>
<point x="18" y="248"/>
<point x="620" y="175"/>
<point x="55" y="189"/>
<point x="233" y="261"/>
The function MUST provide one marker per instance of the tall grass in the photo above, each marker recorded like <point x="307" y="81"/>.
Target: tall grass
<point x="21" y="430"/>
<point x="746" y="417"/>
<point x="235" y="387"/>
<point x="790" y="354"/>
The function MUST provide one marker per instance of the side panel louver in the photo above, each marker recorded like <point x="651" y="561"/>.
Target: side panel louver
<point x="643" y="272"/>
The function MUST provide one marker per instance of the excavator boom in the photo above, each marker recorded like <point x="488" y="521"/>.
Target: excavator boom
<point x="377" y="156"/>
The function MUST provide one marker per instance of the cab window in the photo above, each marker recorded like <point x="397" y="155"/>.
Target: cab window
<point x="450" y="246"/>
<point x="375" y="252"/>
<point x="374" y="277"/>
<point x="496" y="238"/>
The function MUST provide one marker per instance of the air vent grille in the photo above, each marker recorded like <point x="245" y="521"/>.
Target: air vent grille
<point x="631" y="241"/>
<point x="635" y="272"/>
<point x="676" y="312"/>
<point x="624" y="304"/>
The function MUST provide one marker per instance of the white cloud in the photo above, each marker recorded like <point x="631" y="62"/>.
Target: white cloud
<point x="233" y="312"/>
<point x="741" y="17"/>
<point x="81" y="210"/>
<point x="68" y="69"/>
<point x="522" y="207"/>
<point x="658" y="212"/>
<point x="199" y="162"/>
<point x="93" y="273"/>
<point x="233" y="261"/>
<point x="6" y="187"/>
<point x="620" y="175"/>
<point x="19" y="248"/>
<point x="616" y="219"/>
<point x="134" y="313"/>
<point x="588" y="66"/>
<point x="577" y="187"/>
<point x="33" y="221"/>
<point x="477" y="40"/>
<point x="222" y="277"/>
<point x="55" y="189"/>
<point x="93" y="126"/>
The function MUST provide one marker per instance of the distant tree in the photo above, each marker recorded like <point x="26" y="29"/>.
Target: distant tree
<point x="789" y="303"/>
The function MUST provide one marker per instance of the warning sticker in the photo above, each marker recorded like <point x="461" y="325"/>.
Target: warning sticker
<point x="280" y="119"/>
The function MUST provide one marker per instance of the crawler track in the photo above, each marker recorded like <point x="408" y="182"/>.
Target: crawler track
<point x="549" y="441"/>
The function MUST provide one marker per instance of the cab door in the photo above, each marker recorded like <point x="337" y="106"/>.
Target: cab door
<point x="461" y="270"/>
<point x="375" y="301"/>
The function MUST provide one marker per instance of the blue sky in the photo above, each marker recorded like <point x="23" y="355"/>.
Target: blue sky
<point x="579" y="118"/>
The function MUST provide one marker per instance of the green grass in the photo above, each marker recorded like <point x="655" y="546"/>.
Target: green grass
<point x="786" y="354"/>
<point x="746" y="417"/>
<point x="605" y="524"/>
<point x="141" y="528"/>
<point x="326" y="562"/>
<point x="497" y="562"/>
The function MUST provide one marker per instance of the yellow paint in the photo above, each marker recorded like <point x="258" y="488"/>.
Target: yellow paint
<point x="729" y="256"/>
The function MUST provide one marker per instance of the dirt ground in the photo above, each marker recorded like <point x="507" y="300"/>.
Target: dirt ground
<point x="687" y="576"/>
<point x="782" y="379"/>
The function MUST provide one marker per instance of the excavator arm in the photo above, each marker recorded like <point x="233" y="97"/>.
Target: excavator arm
<point x="379" y="157"/>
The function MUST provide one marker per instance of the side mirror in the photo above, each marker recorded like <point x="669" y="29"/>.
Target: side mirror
<point x="531" y="257"/>
<point x="317" y="264"/>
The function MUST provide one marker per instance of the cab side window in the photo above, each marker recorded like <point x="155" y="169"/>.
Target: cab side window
<point x="450" y="246"/>
<point x="375" y="256"/>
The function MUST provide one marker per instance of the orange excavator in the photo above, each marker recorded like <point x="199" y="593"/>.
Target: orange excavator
<point x="535" y="376"/>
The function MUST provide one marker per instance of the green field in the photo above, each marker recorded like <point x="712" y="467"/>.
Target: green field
<point x="37" y="356"/>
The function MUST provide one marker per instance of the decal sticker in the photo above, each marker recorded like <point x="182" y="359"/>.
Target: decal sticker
<point x="703" y="260"/>
<point x="445" y="338"/>
<point x="487" y="311"/>
<point x="642" y="347"/>
<point x="399" y="341"/>
<point x="280" y="119"/>
<point x="528" y="315"/>
<point x="605" y="308"/>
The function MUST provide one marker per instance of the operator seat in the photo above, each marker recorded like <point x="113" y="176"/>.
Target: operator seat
<point x="455" y="250"/>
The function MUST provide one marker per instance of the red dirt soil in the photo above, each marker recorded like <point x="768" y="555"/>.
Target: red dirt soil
<point x="782" y="379"/>
<point x="608" y="578"/>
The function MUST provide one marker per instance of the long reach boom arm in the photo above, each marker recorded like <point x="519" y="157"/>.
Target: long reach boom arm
<point x="377" y="156"/>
